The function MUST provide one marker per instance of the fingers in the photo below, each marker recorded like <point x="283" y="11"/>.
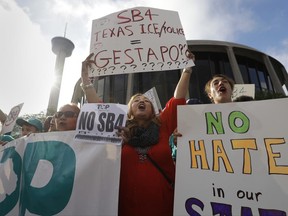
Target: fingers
<point x="86" y="64"/>
<point x="124" y="133"/>
<point x="190" y="55"/>
<point x="177" y="134"/>
<point x="88" y="58"/>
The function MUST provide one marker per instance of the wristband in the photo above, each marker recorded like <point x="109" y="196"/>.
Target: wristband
<point x="86" y="86"/>
<point x="187" y="70"/>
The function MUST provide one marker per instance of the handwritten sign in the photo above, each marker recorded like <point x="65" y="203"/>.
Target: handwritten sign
<point x="11" y="119"/>
<point x="243" y="89"/>
<point x="153" y="97"/>
<point x="55" y="174"/>
<point x="232" y="160"/>
<point x="98" y="122"/>
<point x="140" y="39"/>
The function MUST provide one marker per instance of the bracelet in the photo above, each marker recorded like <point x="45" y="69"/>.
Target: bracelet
<point x="187" y="70"/>
<point x="87" y="86"/>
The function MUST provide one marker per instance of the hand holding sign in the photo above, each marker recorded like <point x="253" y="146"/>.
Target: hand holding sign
<point x="99" y="122"/>
<point x="139" y="39"/>
<point x="87" y="84"/>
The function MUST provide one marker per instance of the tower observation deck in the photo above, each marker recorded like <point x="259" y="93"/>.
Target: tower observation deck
<point x="62" y="48"/>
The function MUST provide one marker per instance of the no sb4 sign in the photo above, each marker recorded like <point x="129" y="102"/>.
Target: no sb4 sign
<point x="101" y="120"/>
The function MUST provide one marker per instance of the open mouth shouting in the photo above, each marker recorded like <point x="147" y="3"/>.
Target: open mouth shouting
<point x="141" y="106"/>
<point x="222" y="89"/>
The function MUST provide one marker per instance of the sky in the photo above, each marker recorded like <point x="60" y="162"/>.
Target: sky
<point x="27" y="26"/>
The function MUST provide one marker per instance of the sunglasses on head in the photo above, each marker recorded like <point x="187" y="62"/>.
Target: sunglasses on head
<point x="67" y="114"/>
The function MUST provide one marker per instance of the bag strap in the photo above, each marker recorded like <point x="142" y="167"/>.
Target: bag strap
<point x="161" y="171"/>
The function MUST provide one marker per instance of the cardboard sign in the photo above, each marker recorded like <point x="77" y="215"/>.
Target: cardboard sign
<point x="11" y="119"/>
<point x="139" y="39"/>
<point x="98" y="122"/>
<point x="243" y="89"/>
<point x="54" y="174"/>
<point x="232" y="159"/>
<point x="153" y="96"/>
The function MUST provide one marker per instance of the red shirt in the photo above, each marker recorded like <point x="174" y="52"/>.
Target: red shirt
<point x="143" y="189"/>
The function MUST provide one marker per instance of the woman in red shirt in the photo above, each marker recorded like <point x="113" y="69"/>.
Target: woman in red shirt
<point x="147" y="168"/>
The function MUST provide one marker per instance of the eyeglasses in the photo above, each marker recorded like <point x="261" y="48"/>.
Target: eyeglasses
<point x="67" y="114"/>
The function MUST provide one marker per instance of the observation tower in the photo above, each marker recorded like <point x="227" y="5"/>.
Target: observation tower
<point x="62" y="47"/>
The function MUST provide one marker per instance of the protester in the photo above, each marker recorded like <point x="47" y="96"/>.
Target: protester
<point x="32" y="125"/>
<point x="147" y="169"/>
<point x="66" y="117"/>
<point x="220" y="89"/>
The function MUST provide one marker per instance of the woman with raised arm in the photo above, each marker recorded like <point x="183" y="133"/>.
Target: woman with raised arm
<point x="147" y="169"/>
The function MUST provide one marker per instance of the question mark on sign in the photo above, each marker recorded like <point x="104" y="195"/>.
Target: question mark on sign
<point x="104" y="70"/>
<point x="123" y="66"/>
<point x="113" y="68"/>
<point x="134" y="66"/>
<point x="144" y="64"/>
<point x="169" y="63"/>
<point x="153" y="64"/>
<point x="99" y="70"/>
<point x="185" y="62"/>
<point x="161" y="63"/>
<point x="178" y="63"/>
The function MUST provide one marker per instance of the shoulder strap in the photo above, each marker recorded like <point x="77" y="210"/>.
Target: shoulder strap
<point x="161" y="171"/>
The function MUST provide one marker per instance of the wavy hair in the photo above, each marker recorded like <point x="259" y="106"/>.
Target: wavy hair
<point x="131" y="123"/>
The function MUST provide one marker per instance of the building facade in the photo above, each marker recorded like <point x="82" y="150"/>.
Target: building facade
<point x="243" y="64"/>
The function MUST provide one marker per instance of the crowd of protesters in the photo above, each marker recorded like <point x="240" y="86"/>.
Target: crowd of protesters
<point x="146" y="149"/>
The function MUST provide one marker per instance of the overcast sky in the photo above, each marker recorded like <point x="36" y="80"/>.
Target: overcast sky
<point x="27" y="27"/>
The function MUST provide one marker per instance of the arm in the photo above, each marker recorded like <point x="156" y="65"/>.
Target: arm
<point x="183" y="84"/>
<point x="86" y="85"/>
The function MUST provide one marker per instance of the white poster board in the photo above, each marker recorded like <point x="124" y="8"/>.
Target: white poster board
<point x="138" y="39"/>
<point x="54" y="174"/>
<point x="153" y="97"/>
<point x="98" y="122"/>
<point x="11" y="119"/>
<point x="243" y="89"/>
<point x="232" y="159"/>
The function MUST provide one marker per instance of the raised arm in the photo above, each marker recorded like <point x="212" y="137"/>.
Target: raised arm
<point x="87" y="86"/>
<point x="183" y="84"/>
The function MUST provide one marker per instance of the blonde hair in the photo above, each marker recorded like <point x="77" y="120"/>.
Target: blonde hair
<point x="130" y="116"/>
